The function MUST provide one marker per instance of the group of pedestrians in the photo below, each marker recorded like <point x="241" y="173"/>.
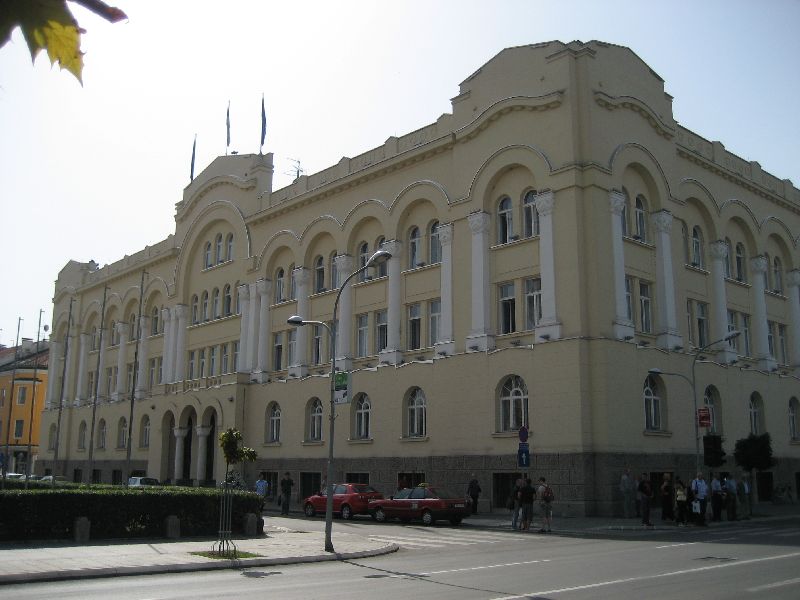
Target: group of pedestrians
<point x="684" y="503"/>
<point x="521" y="502"/>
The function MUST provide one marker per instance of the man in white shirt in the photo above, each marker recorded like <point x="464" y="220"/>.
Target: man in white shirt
<point x="700" y="492"/>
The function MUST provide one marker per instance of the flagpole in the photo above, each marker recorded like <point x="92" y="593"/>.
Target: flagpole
<point x="228" y="127"/>
<point x="194" y="147"/>
<point x="263" y="125"/>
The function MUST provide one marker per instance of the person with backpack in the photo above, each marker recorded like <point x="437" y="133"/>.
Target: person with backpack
<point x="546" y="497"/>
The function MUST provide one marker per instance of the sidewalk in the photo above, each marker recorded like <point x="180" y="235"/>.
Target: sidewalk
<point x="48" y="561"/>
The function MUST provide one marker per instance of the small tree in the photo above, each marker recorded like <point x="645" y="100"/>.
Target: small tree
<point x="754" y="453"/>
<point x="229" y="441"/>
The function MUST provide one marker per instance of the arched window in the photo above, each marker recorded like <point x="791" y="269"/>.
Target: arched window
<point x="207" y="255"/>
<point x="51" y="438"/>
<point x="315" y="420"/>
<point x="505" y="221"/>
<point x="215" y="304"/>
<point x="101" y="434"/>
<point x="435" y="249"/>
<point x="513" y="404"/>
<point x="697" y="247"/>
<point x="754" y="407"/>
<point x="204" y="307"/>
<point x="794" y="410"/>
<point x="144" y="436"/>
<point x="226" y="300"/>
<point x="712" y="402"/>
<point x="414" y="259"/>
<point x="194" y="309"/>
<point x="273" y="428"/>
<point x="416" y="417"/>
<point x="218" y="254"/>
<point x="363" y="257"/>
<point x="154" y="318"/>
<point x="122" y="433"/>
<point x="82" y="436"/>
<point x="741" y="263"/>
<point x="363" y="412"/>
<point x="334" y="271"/>
<point x="531" y="215"/>
<point x="279" y="277"/>
<point x="652" y="404"/>
<point x="319" y="274"/>
<point x="728" y="258"/>
<point x="641" y="219"/>
<point x="625" y="216"/>
<point x="229" y="247"/>
<point x="777" y="275"/>
<point x="382" y="269"/>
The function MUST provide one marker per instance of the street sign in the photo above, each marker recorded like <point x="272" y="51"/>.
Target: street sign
<point x="341" y="387"/>
<point x="523" y="457"/>
<point x="523" y="434"/>
<point x="704" y="417"/>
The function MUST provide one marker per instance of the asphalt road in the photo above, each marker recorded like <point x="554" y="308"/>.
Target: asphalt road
<point x="747" y="560"/>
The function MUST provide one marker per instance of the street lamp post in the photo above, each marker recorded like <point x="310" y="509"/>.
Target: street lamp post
<point x="379" y="257"/>
<point x="693" y="383"/>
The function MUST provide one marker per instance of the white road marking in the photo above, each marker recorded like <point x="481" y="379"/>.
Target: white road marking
<point x="677" y="545"/>
<point x="770" y="586"/>
<point x="514" y="564"/>
<point x="588" y="586"/>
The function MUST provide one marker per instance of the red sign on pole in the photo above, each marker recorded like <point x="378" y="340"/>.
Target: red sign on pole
<point x="704" y="417"/>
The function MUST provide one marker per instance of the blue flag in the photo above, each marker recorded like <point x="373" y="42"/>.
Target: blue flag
<point x="263" y="124"/>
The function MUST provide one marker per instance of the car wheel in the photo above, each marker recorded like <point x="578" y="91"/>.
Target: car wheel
<point x="347" y="512"/>
<point x="427" y="518"/>
<point x="455" y="520"/>
<point x="309" y="510"/>
<point x="379" y="515"/>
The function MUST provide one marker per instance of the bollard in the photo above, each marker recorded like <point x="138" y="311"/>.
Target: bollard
<point x="172" y="527"/>
<point x="250" y="525"/>
<point x="82" y="527"/>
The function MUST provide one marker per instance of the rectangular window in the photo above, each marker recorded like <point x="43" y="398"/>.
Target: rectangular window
<point x="19" y="426"/>
<point x="160" y="369"/>
<point x="191" y="364"/>
<point x="629" y="298"/>
<point x="129" y="378"/>
<point x="291" y="347"/>
<point x="151" y="370"/>
<point x="745" y="337"/>
<point x="782" y="357"/>
<point x="224" y="366"/>
<point x="507" y="308"/>
<point x="701" y="314"/>
<point x="277" y="353"/>
<point x="533" y="302"/>
<point x="90" y="383"/>
<point x="645" y="308"/>
<point x="212" y="361"/>
<point x="316" y="345"/>
<point x="734" y="343"/>
<point x="361" y="335"/>
<point x="22" y="394"/>
<point x="235" y="357"/>
<point x="201" y="371"/>
<point x="381" y="330"/>
<point x="771" y="338"/>
<point x="414" y="326"/>
<point x="109" y="380"/>
<point x="434" y="316"/>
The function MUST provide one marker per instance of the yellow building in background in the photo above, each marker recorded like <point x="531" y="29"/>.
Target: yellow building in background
<point x="23" y="384"/>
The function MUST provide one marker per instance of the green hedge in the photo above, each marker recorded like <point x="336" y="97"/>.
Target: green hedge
<point x="115" y="512"/>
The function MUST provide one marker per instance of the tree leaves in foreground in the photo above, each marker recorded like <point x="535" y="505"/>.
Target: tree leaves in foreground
<point x="754" y="452"/>
<point x="229" y="442"/>
<point x="49" y="25"/>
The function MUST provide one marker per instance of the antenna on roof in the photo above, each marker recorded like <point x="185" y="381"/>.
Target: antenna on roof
<point x="296" y="169"/>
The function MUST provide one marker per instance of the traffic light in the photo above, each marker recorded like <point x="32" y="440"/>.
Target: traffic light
<point x="713" y="454"/>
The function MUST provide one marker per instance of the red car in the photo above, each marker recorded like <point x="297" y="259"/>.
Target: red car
<point x="422" y="502"/>
<point x="348" y="499"/>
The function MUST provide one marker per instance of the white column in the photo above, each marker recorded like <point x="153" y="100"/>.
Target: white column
<point x="392" y="354"/>
<point x="81" y="395"/>
<point x="202" y="447"/>
<point x="623" y="326"/>
<point x="254" y="317"/>
<point x="480" y="336"/>
<point x="180" y="438"/>
<point x="793" y="294"/>
<point x="719" y="298"/>
<point x="122" y="365"/>
<point x="56" y="348"/>
<point x="102" y="392"/>
<point x="264" y="289"/>
<point x="302" y="277"/>
<point x="244" y="329"/>
<point x="69" y="373"/>
<point x="173" y="345"/>
<point x="446" y="344"/>
<point x="141" y="375"/>
<point x="766" y="361"/>
<point x="166" y="341"/>
<point x="668" y="334"/>
<point x="549" y="326"/>
<point x="344" y="328"/>
<point x="181" y="313"/>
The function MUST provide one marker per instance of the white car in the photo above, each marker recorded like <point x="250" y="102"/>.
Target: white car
<point x="142" y="481"/>
<point x="15" y="475"/>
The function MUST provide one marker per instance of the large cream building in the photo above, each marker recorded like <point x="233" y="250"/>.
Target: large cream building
<point x="553" y="239"/>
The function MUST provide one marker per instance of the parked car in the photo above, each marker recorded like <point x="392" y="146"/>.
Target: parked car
<point x="428" y="503"/>
<point x="10" y="475"/>
<point x="59" y="479"/>
<point x="142" y="481"/>
<point x="348" y="499"/>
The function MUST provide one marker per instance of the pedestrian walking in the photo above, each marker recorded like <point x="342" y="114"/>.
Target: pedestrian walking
<point x="638" y="495"/>
<point x="646" y="492"/>
<point x="261" y="488"/>
<point x="717" y="498"/>
<point x="667" y="502"/>
<point x="699" y="489"/>
<point x="287" y="483"/>
<point x="730" y="498"/>
<point x="626" y="487"/>
<point x="514" y="503"/>
<point x="474" y="492"/>
<point x="526" y="496"/>
<point x="681" y="501"/>
<point x="546" y="497"/>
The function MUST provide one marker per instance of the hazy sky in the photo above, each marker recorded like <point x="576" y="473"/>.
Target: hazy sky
<point x="94" y="172"/>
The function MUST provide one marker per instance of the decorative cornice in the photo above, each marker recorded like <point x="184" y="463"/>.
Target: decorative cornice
<point x="661" y="127"/>
<point x="183" y="207"/>
<point x="505" y="106"/>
